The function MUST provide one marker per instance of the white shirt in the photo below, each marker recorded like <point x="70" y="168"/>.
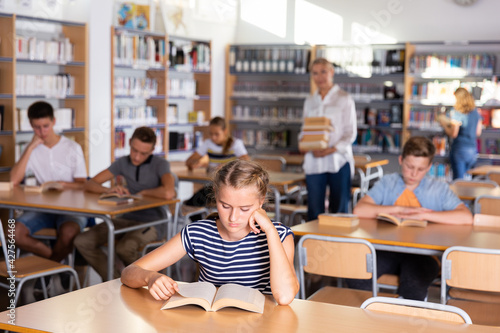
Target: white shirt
<point x="63" y="162"/>
<point x="339" y="107"/>
<point x="215" y="155"/>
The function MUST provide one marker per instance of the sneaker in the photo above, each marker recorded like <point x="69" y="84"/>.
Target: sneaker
<point x="28" y="292"/>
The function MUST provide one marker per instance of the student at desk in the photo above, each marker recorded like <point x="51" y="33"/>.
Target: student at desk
<point x="49" y="157"/>
<point x="220" y="148"/>
<point x="239" y="244"/>
<point x="144" y="174"/>
<point x="411" y="194"/>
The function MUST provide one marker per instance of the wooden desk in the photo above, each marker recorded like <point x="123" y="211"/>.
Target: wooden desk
<point x="80" y="203"/>
<point x="431" y="240"/>
<point x="471" y="193"/>
<point x="275" y="179"/>
<point x="112" y="307"/>
<point x="483" y="170"/>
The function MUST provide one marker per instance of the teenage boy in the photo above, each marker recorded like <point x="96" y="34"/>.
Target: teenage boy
<point x="143" y="174"/>
<point x="412" y="194"/>
<point x="49" y="157"/>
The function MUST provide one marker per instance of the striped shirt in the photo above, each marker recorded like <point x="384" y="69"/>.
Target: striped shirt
<point x="244" y="262"/>
<point x="215" y="155"/>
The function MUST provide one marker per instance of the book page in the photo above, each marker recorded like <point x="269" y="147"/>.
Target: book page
<point x="239" y="296"/>
<point x="198" y="293"/>
<point x="389" y="218"/>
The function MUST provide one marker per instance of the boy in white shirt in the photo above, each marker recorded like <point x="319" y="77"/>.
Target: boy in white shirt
<point x="50" y="157"/>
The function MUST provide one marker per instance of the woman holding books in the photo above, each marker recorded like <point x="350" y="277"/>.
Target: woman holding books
<point x="221" y="148"/>
<point x="239" y="244"/>
<point x="463" y="126"/>
<point x="334" y="164"/>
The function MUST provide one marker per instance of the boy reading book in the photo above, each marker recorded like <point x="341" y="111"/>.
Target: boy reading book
<point x="240" y="244"/>
<point x="411" y="194"/>
<point x="140" y="173"/>
<point x="212" y="298"/>
<point x="49" y="157"/>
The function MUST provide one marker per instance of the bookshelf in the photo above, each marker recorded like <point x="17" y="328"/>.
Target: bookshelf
<point x="374" y="76"/>
<point x="434" y="72"/>
<point x="162" y="82"/>
<point x="265" y="90"/>
<point x="41" y="59"/>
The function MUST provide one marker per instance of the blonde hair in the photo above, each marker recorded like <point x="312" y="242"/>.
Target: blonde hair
<point x="465" y="101"/>
<point x="321" y="61"/>
<point x="239" y="174"/>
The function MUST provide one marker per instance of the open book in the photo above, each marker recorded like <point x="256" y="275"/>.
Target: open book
<point x="400" y="221"/>
<point x="210" y="298"/>
<point x="47" y="186"/>
<point x="115" y="199"/>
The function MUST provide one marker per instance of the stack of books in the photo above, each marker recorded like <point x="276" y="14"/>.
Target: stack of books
<point x="315" y="133"/>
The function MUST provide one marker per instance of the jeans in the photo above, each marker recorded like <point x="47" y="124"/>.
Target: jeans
<point x="461" y="160"/>
<point x="340" y="192"/>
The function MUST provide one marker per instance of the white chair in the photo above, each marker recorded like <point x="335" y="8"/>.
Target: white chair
<point x="419" y="309"/>
<point x="29" y="268"/>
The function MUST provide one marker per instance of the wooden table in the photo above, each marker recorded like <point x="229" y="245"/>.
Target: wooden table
<point x="431" y="240"/>
<point x="471" y="193"/>
<point x="275" y="179"/>
<point x="80" y="203"/>
<point x="112" y="307"/>
<point x="483" y="170"/>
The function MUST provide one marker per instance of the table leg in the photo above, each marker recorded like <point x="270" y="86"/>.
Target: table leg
<point x="111" y="246"/>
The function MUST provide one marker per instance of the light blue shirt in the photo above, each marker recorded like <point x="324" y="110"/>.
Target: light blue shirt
<point x="431" y="193"/>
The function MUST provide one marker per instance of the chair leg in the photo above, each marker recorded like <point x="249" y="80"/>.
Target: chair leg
<point x="44" y="288"/>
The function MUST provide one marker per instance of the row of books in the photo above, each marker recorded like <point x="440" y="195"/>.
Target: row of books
<point x="453" y="64"/>
<point x="282" y="113"/>
<point x="441" y="144"/>
<point x="491" y="117"/>
<point x="65" y="119"/>
<point x="184" y="140"/>
<point x="443" y="91"/>
<point x="364" y="60"/>
<point x="50" y="86"/>
<point x="372" y="91"/>
<point x="488" y="146"/>
<point x="264" y="138"/>
<point x="135" y="87"/>
<point x="189" y="56"/>
<point x="51" y="51"/>
<point x="268" y="60"/>
<point x="381" y="116"/>
<point x="441" y="171"/>
<point x="135" y="116"/>
<point x="122" y="138"/>
<point x="181" y="88"/>
<point x="271" y="89"/>
<point x="139" y="51"/>
<point x="370" y="140"/>
<point x="423" y="118"/>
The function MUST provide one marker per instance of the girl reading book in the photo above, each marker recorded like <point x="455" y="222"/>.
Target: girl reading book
<point x="240" y="244"/>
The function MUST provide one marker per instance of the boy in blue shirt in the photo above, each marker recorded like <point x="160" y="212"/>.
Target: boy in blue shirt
<point x="412" y="194"/>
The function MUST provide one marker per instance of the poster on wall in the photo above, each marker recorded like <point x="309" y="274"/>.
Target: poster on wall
<point x="134" y="15"/>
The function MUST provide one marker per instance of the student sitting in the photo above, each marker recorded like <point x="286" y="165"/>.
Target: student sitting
<point x="144" y="174"/>
<point x="241" y="229"/>
<point x="49" y="157"/>
<point x="411" y="194"/>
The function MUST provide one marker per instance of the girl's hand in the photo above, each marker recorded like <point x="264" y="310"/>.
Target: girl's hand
<point x="161" y="287"/>
<point x="259" y="217"/>
<point x="119" y="189"/>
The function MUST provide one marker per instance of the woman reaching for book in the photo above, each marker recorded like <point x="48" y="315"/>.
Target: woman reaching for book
<point x="240" y="244"/>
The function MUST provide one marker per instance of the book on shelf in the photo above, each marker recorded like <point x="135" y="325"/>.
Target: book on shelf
<point x="2" y="110"/>
<point x="65" y="119"/>
<point x="47" y="186"/>
<point x="211" y="298"/>
<point x="115" y="199"/>
<point x="404" y="222"/>
<point x="495" y="118"/>
<point x="491" y="145"/>
<point x="338" y="220"/>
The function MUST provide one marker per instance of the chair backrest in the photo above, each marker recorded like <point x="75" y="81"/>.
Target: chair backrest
<point x="487" y="204"/>
<point x="475" y="183"/>
<point x="271" y="162"/>
<point x="337" y="257"/>
<point x="494" y="176"/>
<point x="470" y="268"/>
<point x="485" y="220"/>
<point x="415" y="308"/>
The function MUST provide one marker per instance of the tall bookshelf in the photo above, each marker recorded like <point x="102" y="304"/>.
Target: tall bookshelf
<point x="26" y="72"/>
<point x="435" y="71"/>
<point x="265" y="90"/>
<point x="162" y="82"/>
